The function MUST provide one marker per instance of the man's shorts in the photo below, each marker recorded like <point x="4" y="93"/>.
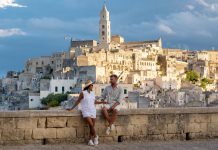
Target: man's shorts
<point x="108" y="106"/>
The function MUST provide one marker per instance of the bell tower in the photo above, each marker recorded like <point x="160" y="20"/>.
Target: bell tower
<point x="104" y="29"/>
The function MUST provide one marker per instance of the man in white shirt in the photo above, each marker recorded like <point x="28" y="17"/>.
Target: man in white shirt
<point x="112" y="94"/>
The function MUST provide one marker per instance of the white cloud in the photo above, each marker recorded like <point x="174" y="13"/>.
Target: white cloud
<point x="11" y="32"/>
<point x="208" y="5"/>
<point x="88" y="26"/>
<point x="190" y="7"/>
<point x="9" y="3"/>
<point x="187" y="24"/>
<point x="165" y="29"/>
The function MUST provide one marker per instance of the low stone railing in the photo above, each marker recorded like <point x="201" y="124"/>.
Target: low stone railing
<point x="41" y="127"/>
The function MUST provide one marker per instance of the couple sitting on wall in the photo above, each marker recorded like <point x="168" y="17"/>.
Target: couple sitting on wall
<point x="111" y="98"/>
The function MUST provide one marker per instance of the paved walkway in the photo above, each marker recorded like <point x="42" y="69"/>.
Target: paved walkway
<point x="175" y="145"/>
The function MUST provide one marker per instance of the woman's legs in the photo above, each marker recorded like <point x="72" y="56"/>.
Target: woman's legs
<point x="93" y="120"/>
<point x="91" y="123"/>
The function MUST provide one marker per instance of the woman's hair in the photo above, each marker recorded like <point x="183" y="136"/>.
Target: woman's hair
<point x="86" y="88"/>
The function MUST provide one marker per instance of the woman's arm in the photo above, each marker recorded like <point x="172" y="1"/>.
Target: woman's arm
<point x="77" y="102"/>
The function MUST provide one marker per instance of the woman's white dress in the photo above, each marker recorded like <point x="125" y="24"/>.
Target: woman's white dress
<point x="88" y="104"/>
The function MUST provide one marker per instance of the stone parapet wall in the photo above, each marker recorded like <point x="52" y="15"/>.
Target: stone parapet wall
<point x="41" y="127"/>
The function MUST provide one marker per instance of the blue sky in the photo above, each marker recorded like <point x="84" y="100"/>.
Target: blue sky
<point x="32" y="28"/>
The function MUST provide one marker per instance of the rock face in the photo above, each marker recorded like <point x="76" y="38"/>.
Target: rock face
<point x="23" y="127"/>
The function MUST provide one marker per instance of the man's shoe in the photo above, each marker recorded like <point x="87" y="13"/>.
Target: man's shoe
<point x="108" y="131"/>
<point x="90" y="143"/>
<point x="96" y="140"/>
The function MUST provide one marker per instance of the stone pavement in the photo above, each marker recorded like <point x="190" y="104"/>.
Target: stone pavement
<point x="173" y="145"/>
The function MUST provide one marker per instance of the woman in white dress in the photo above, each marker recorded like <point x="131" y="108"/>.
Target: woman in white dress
<point x="87" y="100"/>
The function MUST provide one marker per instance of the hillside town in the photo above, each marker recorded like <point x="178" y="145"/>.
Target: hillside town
<point x="151" y="75"/>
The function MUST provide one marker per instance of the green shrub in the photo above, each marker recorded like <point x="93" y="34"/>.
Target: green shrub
<point x="205" y="82"/>
<point x="54" y="100"/>
<point x="192" y="76"/>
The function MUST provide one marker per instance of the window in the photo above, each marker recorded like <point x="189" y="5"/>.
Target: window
<point x="31" y="100"/>
<point x="71" y="88"/>
<point x="56" y="89"/>
<point x="103" y="33"/>
<point x="42" y="63"/>
<point x="102" y="26"/>
<point x="125" y="91"/>
<point x="62" y="89"/>
<point x="36" y="63"/>
<point x="52" y="62"/>
<point x="102" y="90"/>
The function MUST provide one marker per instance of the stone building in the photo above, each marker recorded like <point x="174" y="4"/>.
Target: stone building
<point x="34" y="100"/>
<point x="25" y="81"/>
<point x="213" y="56"/>
<point x="172" y="72"/>
<point x="40" y="65"/>
<point x="203" y="55"/>
<point x="46" y="64"/>
<point x="56" y="86"/>
<point x="104" y="29"/>
<point x="84" y="43"/>
<point x="202" y="68"/>
<point x="9" y="85"/>
<point x="117" y="39"/>
<point x="179" y="54"/>
<point x="1" y="88"/>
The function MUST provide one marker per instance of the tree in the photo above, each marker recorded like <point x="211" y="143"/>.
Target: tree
<point x="205" y="82"/>
<point x="54" y="100"/>
<point x="192" y="76"/>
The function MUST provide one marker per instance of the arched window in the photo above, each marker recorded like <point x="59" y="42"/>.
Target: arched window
<point x="103" y="33"/>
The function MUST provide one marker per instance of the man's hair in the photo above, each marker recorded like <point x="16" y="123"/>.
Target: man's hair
<point x="114" y="75"/>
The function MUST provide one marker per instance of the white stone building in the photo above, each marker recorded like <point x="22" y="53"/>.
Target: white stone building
<point x="203" y="55"/>
<point x="34" y="100"/>
<point x="166" y="82"/>
<point x="56" y="86"/>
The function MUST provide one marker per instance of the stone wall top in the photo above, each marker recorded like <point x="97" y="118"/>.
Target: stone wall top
<point x="59" y="113"/>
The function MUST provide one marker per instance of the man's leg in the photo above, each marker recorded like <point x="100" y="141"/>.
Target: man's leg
<point x="113" y="117"/>
<point x="106" y="114"/>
